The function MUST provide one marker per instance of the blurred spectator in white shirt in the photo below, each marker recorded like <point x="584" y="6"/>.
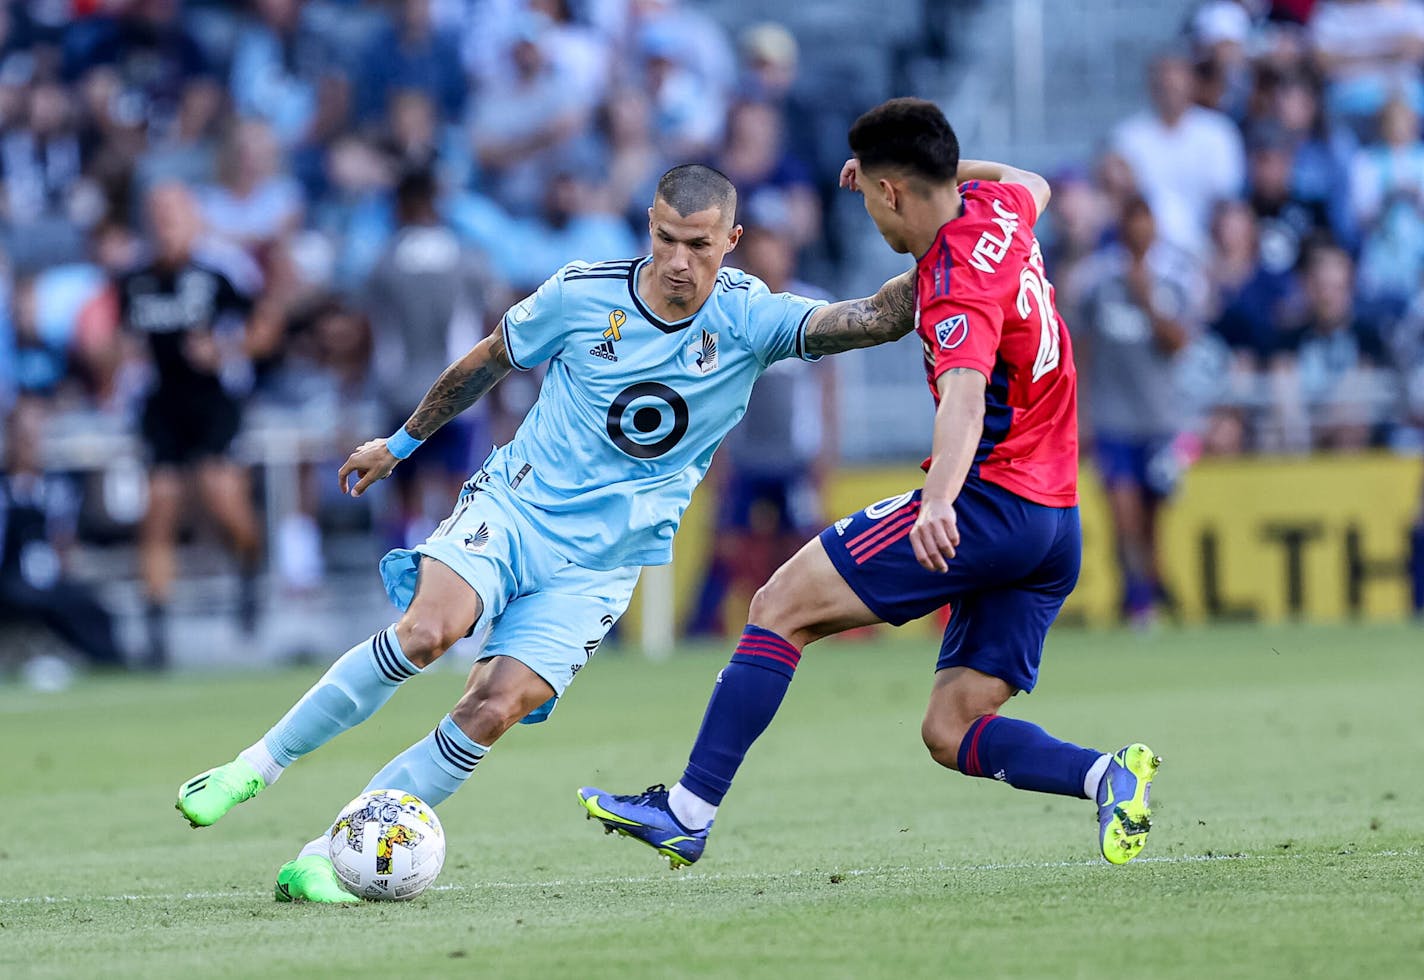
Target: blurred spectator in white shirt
<point x="1184" y="157"/>
<point x="254" y="203"/>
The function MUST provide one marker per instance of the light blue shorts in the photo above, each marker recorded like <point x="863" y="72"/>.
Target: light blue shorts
<point x="542" y="610"/>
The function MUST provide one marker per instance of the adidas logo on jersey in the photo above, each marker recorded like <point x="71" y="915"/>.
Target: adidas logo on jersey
<point x="842" y="524"/>
<point x="604" y="350"/>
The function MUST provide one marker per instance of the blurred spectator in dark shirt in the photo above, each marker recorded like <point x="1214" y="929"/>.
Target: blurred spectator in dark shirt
<point x="758" y="161"/>
<point x="149" y="46"/>
<point x="1323" y="150"/>
<point x="1387" y="195"/>
<point x="410" y="52"/>
<point x="1141" y="307"/>
<point x="38" y="515"/>
<point x="1287" y="224"/>
<point x="1250" y="302"/>
<point x="1326" y="392"/>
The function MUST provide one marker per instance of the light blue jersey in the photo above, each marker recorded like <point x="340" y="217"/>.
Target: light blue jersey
<point x="632" y="407"/>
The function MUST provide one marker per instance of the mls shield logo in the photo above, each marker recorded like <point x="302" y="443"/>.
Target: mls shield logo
<point x="476" y="541"/>
<point x="952" y="332"/>
<point x="704" y="352"/>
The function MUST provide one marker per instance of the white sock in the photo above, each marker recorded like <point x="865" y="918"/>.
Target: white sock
<point x="320" y="847"/>
<point x="1095" y="776"/>
<point x="691" y="810"/>
<point x="258" y="756"/>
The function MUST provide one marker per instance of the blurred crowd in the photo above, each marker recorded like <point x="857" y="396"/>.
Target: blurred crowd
<point x="1241" y="266"/>
<point x="214" y="213"/>
<point x="1244" y="258"/>
<point x="540" y="125"/>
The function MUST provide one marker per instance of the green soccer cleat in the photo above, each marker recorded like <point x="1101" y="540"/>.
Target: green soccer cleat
<point x="206" y="798"/>
<point x="312" y="879"/>
<point x="1124" y="818"/>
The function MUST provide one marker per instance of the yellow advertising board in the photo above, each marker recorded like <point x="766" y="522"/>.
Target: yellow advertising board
<point x="1262" y="539"/>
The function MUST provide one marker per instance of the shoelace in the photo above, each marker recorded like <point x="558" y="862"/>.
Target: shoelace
<point x="650" y="795"/>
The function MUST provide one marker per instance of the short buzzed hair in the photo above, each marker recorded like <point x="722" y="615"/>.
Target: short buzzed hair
<point x="692" y="187"/>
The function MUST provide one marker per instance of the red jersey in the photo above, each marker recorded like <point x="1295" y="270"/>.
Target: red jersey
<point x="982" y="302"/>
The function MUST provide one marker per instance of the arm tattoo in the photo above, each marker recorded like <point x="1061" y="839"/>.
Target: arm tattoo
<point x="886" y="316"/>
<point x="460" y="385"/>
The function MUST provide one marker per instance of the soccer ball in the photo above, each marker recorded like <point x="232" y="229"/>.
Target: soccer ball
<point x="387" y="845"/>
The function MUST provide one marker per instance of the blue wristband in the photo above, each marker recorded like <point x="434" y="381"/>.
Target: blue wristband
<point x="402" y="444"/>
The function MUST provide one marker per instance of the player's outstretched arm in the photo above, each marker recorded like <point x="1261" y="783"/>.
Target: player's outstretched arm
<point x="958" y="427"/>
<point x="1002" y="173"/>
<point x="459" y="386"/>
<point x="878" y="319"/>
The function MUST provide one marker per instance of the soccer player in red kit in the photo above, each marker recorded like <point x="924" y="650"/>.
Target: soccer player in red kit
<point x="994" y="532"/>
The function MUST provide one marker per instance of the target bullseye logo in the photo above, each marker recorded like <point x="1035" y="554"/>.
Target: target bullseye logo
<point x="658" y="400"/>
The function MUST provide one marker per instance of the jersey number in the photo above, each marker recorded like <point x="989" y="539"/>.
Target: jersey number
<point x="1033" y="286"/>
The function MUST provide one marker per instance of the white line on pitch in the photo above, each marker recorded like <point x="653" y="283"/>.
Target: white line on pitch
<point x="693" y="879"/>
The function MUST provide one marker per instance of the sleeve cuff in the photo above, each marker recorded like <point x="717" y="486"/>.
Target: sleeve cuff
<point x="801" y="334"/>
<point x="509" y="345"/>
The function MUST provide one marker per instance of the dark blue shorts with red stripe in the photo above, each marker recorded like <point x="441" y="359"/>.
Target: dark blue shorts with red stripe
<point x="1016" y="563"/>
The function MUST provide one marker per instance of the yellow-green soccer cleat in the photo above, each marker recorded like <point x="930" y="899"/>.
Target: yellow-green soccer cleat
<point x="312" y="879"/>
<point x="205" y="798"/>
<point x="1124" y="818"/>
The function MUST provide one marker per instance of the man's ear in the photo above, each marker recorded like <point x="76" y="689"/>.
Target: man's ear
<point x="891" y="193"/>
<point x="733" y="237"/>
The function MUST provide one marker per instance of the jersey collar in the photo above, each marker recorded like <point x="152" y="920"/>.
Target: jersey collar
<point x="648" y="314"/>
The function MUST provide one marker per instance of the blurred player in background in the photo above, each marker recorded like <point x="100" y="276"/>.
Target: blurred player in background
<point x="994" y="532"/>
<point x="774" y="464"/>
<point x="1141" y="306"/>
<point x="193" y="322"/>
<point x="651" y="361"/>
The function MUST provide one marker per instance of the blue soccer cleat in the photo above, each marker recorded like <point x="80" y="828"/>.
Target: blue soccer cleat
<point x="1124" y="818"/>
<point x="646" y="817"/>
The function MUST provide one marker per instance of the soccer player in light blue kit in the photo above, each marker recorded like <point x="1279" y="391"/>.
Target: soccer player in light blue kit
<point x="651" y="361"/>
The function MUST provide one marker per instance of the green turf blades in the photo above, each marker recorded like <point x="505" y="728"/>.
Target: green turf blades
<point x="1263" y="862"/>
<point x="207" y="797"/>
<point x="311" y="879"/>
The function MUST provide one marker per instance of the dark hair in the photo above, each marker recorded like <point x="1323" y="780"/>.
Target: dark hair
<point x="416" y="190"/>
<point x="692" y="187"/>
<point x="909" y="135"/>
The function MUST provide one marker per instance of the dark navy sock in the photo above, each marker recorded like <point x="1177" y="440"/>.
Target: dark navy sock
<point x="1024" y="756"/>
<point x="748" y="692"/>
<point x="1416" y="566"/>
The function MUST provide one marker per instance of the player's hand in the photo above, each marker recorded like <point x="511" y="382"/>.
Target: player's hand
<point x="850" y="175"/>
<point x="935" y="535"/>
<point x="372" y="462"/>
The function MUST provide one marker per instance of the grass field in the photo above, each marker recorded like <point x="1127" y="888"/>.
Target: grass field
<point x="1289" y="840"/>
